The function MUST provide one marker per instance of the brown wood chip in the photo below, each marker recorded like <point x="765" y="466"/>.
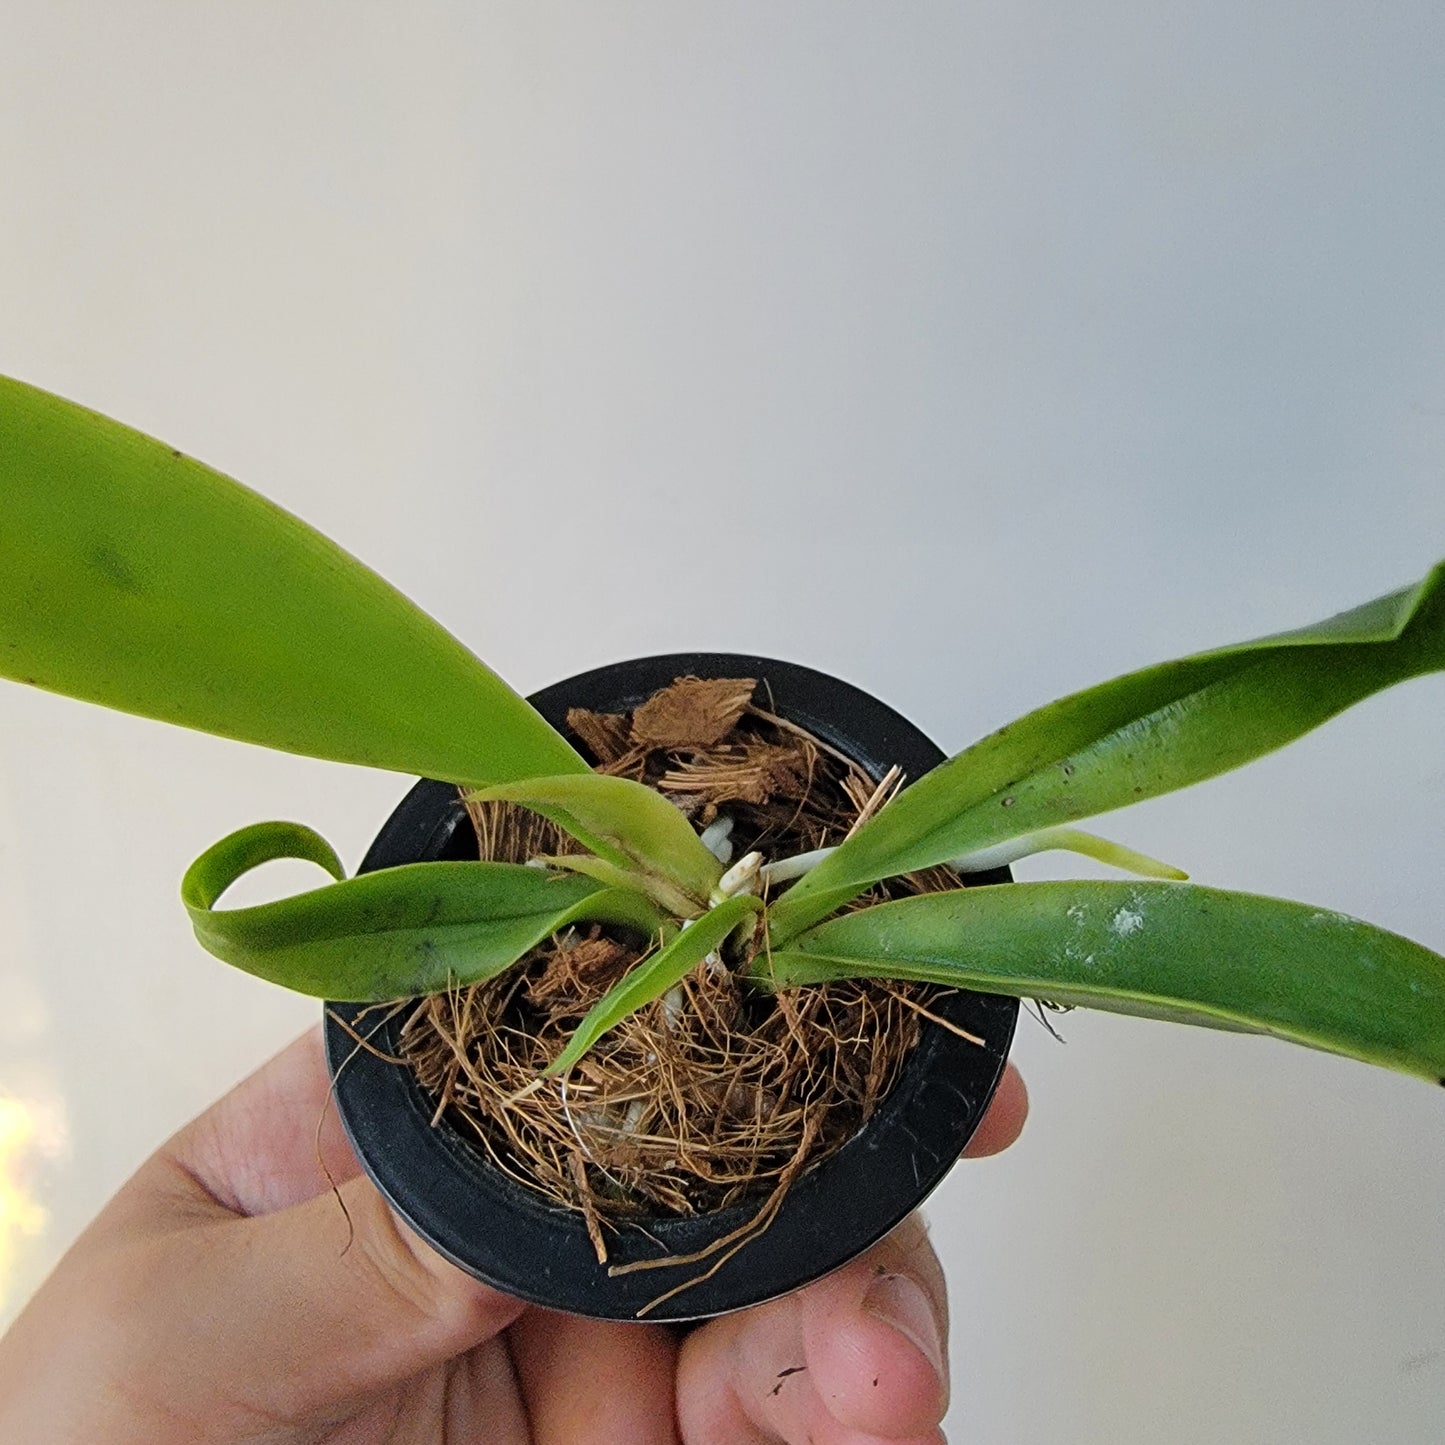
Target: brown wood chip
<point x="606" y="733"/>
<point x="692" y="713"/>
<point x="748" y="774"/>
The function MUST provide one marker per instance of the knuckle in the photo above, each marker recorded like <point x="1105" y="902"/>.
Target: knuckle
<point x="420" y="1281"/>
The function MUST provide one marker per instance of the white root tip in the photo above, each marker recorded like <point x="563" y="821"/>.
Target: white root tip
<point x="717" y="839"/>
<point x="742" y="877"/>
<point x="1072" y="840"/>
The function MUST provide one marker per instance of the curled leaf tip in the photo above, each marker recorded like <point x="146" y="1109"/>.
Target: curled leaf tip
<point x="238" y="853"/>
<point x="394" y="933"/>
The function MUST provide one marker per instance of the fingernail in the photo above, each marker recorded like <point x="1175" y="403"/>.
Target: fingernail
<point x="901" y="1302"/>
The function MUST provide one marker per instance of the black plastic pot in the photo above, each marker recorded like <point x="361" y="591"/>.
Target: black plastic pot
<point x="509" y="1236"/>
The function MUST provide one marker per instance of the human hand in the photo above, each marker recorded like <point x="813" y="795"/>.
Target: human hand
<point x="215" y="1299"/>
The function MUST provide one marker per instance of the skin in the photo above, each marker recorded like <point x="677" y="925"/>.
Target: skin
<point x="215" y="1300"/>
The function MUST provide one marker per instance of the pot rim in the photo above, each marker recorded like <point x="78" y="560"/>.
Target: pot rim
<point x="506" y="1234"/>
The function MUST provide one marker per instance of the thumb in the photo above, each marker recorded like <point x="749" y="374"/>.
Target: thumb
<point x="303" y="1310"/>
<point x="261" y="1291"/>
<point x="172" y="1310"/>
<point x="279" y="1317"/>
<point x="319" y="1296"/>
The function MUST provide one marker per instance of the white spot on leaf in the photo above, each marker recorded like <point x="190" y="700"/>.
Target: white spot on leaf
<point x="1125" y="922"/>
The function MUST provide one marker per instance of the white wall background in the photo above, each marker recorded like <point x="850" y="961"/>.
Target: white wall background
<point x="974" y="352"/>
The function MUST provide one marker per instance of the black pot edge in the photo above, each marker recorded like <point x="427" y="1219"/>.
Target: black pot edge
<point x="440" y="1187"/>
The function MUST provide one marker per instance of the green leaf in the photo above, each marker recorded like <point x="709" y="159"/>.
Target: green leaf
<point x="132" y="576"/>
<point x="1140" y="735"/>
<point x="653" y="977"/>
<point x="624" y="823"/>
<point x="394" y="933"/>
<point x="1161" y="950"/>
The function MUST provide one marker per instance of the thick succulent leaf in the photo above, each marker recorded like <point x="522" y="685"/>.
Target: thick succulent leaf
<point x="653" y="977"/>
<point x="1140" y="735"/>
<point x="1161" y="950"/>
<point x="393" y="933"/>
<point x="132" y="576"/>
<point x="625" y="824"/>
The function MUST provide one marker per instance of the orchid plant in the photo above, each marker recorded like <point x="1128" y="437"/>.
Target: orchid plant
<point x="135" y="577"/>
